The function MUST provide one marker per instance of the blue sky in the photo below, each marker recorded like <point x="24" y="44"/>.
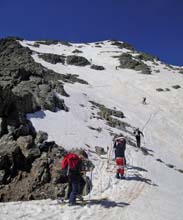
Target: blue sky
<point x="153" y="26"/>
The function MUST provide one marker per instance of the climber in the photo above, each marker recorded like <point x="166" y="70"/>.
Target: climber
<point x="75" y="165"/>
<point x="120" y="147"/>
<point x="138" y="134"/>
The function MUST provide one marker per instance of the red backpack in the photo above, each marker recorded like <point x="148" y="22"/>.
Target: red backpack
<point x="70" y="162"/>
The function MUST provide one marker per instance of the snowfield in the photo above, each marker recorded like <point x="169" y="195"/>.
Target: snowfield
<point x="153" y="188"/>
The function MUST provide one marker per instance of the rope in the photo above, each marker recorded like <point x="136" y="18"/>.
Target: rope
<point x="150" y="118"/>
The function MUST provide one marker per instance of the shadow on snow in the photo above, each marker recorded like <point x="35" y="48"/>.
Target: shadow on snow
<point x="106" y="203"/>
<point x="38" y="114"/>
<point x="137" y="177"/>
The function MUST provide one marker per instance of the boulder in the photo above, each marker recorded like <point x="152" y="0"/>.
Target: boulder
<point x="52" y="58"/>
<point x="11" y="160"/>
<point x="25" y="142"/>
<point x="96" y="67"/>
<point x="40" y="170"/>
<point x="128" y="62"/>
<point x="100" y="150"/>
<point x="159" y="89"/>
<point x="77" y="51"/>
<point x="28" y="148"/>
<point x="176" y="86"/>
<point x="41" y="137"/>
<point x="122" y="45"/>
<point x="77" y="60"/>
<point x="146" y="57"/>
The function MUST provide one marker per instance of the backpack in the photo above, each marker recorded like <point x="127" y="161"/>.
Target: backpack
<point x="70" y="163"/>
<point x="136" y="132"/>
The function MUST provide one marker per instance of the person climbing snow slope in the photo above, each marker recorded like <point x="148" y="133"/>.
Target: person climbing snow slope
<point x="138" y="134"/>
<point x="120" y="147"/>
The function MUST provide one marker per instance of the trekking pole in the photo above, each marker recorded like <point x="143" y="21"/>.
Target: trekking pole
<point x="90" y="187"/>
<point x="107" y="157"/>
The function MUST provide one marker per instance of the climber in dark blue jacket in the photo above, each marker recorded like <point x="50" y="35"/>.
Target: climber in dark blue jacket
<point x="120" y="147"/>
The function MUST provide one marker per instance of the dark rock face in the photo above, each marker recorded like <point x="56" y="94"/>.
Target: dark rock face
<point x="52" y="58"/>
<point x="176" y="86"/>
<point x="77" y="51"/>
<point x="159" y="89"/>
<point x="96" y="67"/>
<point x="29" y="166"/>
<point x="26" y="170"/>
<point x="11" y="160"/>
<point x="100" y="150"/>
<point x="181" y="71"/>
<point x="25" y="87"/>
<point x="128" y="62"/>
<point x="107" y="112"/>
<point x="50" y="42"/>
<point x="113" y="119"/>
<point x="146" y="57"/>
<point x="121" y="45"/>
<point x="77" y="61"/>
<point x="28" y="163"/>
<point x="72" y="78"/>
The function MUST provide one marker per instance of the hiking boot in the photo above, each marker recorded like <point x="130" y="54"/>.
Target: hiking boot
<point x="117" y="176"/>
<point x="71" y="204"/>
<point x="122" y="177"/>
<point x="80" y="197"/>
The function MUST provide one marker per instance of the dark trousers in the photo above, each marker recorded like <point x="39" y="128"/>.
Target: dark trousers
<point x="80" y="187"/>
<point x="75" y="189"/>
<point x="138" y="141"/>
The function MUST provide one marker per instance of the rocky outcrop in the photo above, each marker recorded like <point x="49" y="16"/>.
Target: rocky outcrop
<point x="128" y="62"/>
<point x="146" y="57"/>
<point x="52" y="58"/>
<point x="176" y="86"/>
<point x="30" y="169"/>
<point x="122" y="45"/>
<point x="96" y="67"/>
<point x="25" y="87"/>
<point x="100" y="150"/>
<point x="113" y="119"/>
<point x="77" y="51"/>
<point x="77" y="61"/>
<point x="26" y="170"/>
<point x="29" y="164"/>
<point x="50" y="42"/>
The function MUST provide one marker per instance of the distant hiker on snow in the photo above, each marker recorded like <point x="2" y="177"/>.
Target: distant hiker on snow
<point x="74" y="166"/>
<point x="144" y="101"/>
<point x="120" y="147"/>
<point x="138" y="134"/>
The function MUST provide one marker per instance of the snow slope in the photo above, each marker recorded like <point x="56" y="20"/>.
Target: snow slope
<point x="152" y="189"/>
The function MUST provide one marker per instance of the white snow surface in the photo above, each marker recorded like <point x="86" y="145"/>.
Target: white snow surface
<point x="152" y="190"/>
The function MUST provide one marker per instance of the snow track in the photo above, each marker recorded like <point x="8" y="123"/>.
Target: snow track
<point x="105" y="185"/>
